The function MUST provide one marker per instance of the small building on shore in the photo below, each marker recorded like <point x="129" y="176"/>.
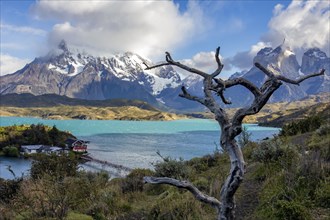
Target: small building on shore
<point x="77" y="145"/>
<point x="34" y="149"/>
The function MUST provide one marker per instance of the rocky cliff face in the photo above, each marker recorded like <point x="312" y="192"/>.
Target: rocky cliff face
<point x="79" y="75"/>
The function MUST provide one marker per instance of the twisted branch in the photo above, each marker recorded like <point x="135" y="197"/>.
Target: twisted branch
<point x="187" y="95"/>
<point x="220" y="65"/>
<point x="263" y="95"/>
<point x="185" y="185"/>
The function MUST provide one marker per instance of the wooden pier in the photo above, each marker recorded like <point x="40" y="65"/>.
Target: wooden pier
<point x="106" y="163"/>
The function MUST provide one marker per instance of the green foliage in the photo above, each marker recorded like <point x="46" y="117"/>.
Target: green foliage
<point x="274" y="150"/>
<point x="134" y="181"/>
<point x="292" y="183"/>
<point x="204" y="163"/>
<point x="177" y="169"/>
<point x="76" y="216"/>
<point x="292" y="210"/>
<point x="10" y="151"/>
<point x="302" y="126"/>
<point x="51" y="197"/>
<point x="244" y="138"/>
<point x="8" y="189"/>
<point x="322" y="195"/>
<point x="175" y="205"/>
<point x="53" y="165"/>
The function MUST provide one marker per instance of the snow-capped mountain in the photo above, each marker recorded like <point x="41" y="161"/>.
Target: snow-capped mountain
<point x="126" y="67"/>
<point x="77" y="74"/>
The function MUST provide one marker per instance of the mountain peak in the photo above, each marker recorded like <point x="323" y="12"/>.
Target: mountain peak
<point x="315" y="52"/>
<point x="63" y="46"/>
<point x="264" y="51"/>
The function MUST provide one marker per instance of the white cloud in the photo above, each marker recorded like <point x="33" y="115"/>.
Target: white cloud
<point x="243" y="60"/>
<point x="10" y="64"/>
<point x="303" y="24"/>
<point x="12" y="46"/>
<point x="257" y="47"/>
<point x="22" y="29"/>
<point x="204" y="61"/>
<point x="103" y="27"/>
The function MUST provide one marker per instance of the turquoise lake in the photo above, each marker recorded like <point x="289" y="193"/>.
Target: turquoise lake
<point x="135" y="143"/>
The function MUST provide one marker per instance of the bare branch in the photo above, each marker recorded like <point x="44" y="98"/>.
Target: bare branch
<point x="155" y="66"/>
<point x="185" y="185"/>
<point x="182" y="66"/>
<point x="222" y="96"/>
<point x="186" y="95"/>
<point x="220" y="65"/>
<point x="297" y="81"/>
<point x="266" y="71"/>
<point x="287" y="80"/>
<point x="243" y="82"/>
<point x="268" y="88"/>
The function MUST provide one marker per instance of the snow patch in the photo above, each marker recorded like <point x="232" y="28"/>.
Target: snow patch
<point x="288" y="53"/>
<point x="319" y="55"/>
<point x="160" y="100"/>
<point x="58" y="69"/>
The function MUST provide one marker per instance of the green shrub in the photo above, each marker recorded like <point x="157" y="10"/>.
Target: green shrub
<point x="202" y="184"/>
<point x="76" y="216"/>
<point x="134" y="181"/>
<point x="302" y="126"/>
<point x="203" y="163"/>
<point x="292" y="210"/>
<point x="172" y="168"/>
<point x="274" y="150"/>
<point x="172" y="205"/>
<point x="249" y="149"/>
<point x="323" y="130"/>
<point x="53" y="165"/>
<point x="10" y="151"/>
<point x="322" y="195"/>
<point x="8" y="189"/>
<point x="244" y="138"/>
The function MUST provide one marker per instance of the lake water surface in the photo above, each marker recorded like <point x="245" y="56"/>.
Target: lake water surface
<point x="135" y="143"/>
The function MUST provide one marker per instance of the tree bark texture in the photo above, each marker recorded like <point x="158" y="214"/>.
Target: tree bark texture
<point x="230" y="128"/>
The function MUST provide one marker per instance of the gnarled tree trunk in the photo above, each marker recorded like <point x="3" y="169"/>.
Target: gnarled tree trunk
<point x="230" y="128"/>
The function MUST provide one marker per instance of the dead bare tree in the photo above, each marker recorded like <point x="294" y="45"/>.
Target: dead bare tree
<point x="230" y="128"/>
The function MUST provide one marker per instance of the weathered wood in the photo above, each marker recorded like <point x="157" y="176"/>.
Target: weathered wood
<point x="185" y="185"/>
<point x="229" y="128"/>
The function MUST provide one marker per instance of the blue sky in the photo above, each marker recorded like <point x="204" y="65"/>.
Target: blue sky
<point x="190" y="30"/>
